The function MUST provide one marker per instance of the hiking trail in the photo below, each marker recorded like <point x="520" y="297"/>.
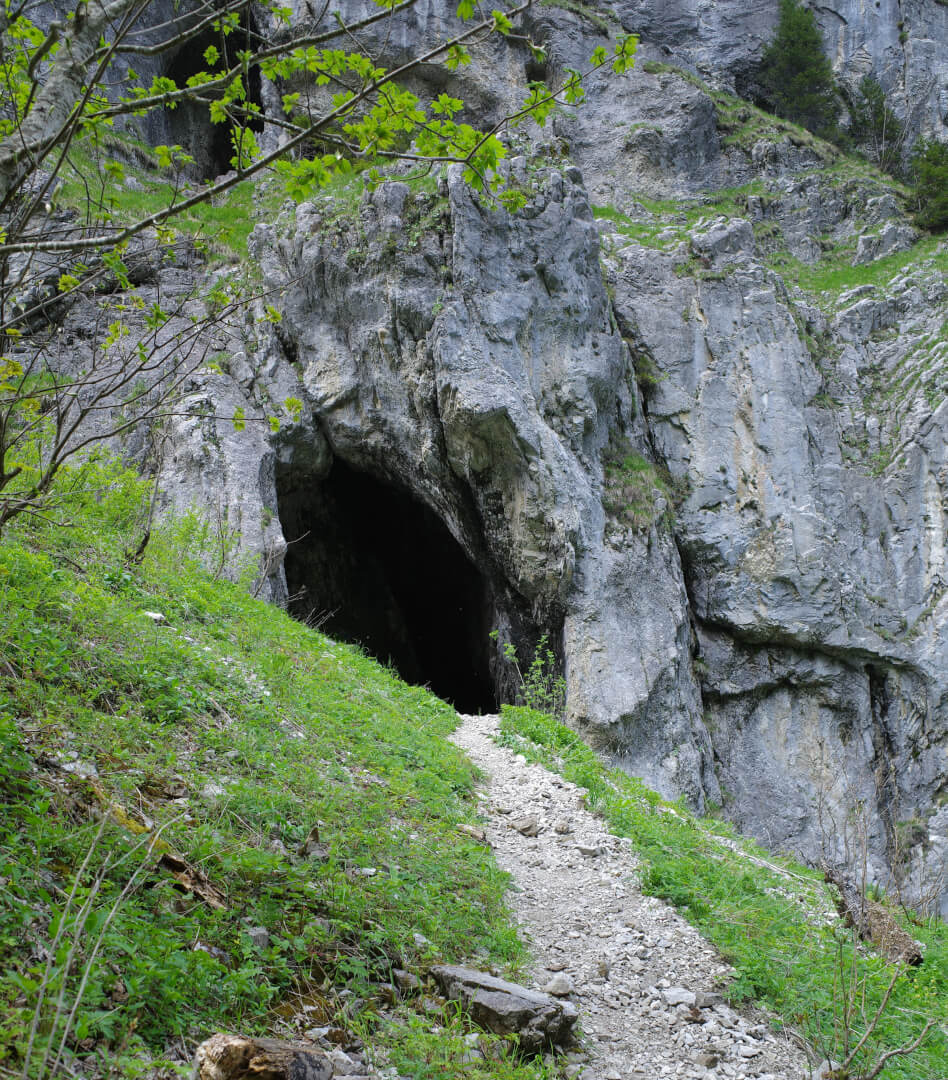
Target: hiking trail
<point x="647" y="984"/>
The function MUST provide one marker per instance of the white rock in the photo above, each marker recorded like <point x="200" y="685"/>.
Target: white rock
<point x="560" y="985"/>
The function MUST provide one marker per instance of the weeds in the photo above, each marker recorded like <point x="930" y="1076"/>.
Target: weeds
<point x="637" y="492"/>
<point x="541" y="686"/>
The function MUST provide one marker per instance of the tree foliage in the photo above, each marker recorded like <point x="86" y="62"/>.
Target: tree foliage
<point x="929" y="167"/>
<point x="796" y="76"/>
<point x="875" y="127"/>
<point x="69" y="90"/>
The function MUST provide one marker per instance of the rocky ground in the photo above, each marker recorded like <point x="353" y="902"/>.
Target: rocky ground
<point x="647" y="985"/>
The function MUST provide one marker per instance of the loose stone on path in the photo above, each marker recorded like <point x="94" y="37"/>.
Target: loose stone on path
<point x="646" y="984"/>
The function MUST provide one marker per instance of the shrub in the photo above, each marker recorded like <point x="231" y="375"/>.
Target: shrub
<point x="796" y="76"/>
<point x="875" y="127"/>
<point x="929" y="167"/>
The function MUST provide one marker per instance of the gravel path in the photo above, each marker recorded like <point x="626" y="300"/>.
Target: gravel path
<point x="646" y="983"/>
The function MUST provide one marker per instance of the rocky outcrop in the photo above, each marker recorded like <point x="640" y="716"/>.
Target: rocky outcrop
<point x="718" y="483"/>
<point x="902" y="45"/>
<point x="487" y="376"/>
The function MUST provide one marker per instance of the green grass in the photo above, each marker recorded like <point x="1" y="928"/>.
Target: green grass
<point x="833" y="276"/>
<point x="604" y="24"/>
<point x="223" y="226"/>
<point x="294" y="730"/>
<point x="636" y="491"/>
<point x="671" y="220"/>
<point x="759" y="913"/>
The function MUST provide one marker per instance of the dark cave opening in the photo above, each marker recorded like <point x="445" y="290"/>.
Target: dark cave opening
<point x="372" y="565"/>
<point x="190" y="123"/>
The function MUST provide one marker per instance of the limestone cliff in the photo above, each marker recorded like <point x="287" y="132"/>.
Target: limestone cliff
<point x="686" y="412"/>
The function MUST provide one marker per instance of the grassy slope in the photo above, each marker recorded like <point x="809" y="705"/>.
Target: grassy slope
<point x="239" y="729"/>
<point x="666" y="223"/>
<point x="293" y="730"/>
<point x="759" y="911"/>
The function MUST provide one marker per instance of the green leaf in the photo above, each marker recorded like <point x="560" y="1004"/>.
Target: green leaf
<point x="626" y="44"/>
<point x="501" y="23"/>
<point x="573" y="91"/>
<point x="466" y="10"/>
<point x="512" y="199"/>
<point x="458" y="56"/>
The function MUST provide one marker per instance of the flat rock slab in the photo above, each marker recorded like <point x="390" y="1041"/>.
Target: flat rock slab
<point x="506" y="1008"/>
<point x="237" y="1057"/>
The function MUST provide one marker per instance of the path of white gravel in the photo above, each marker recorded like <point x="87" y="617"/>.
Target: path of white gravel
<point x="646" y="983"/>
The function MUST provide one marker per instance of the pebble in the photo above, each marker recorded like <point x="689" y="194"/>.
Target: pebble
<point x="526" y="826"/>
<point x="677" y="995"/>
<point x="588" y="849"/>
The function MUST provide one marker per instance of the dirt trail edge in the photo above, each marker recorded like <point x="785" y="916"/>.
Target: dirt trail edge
<point x="646" y="983"/>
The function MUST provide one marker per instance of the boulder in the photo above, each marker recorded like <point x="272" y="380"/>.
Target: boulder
<point x="505" y="1008"/>
<point x="892" y="237"/>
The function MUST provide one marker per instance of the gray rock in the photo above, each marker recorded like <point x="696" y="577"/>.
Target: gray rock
<point x="526" y="826"/>
<point x="678" y="995"/>
<point x="406" y="982"/>
<point x="725" y="237"/>
<point x="561" y="985"/>
<point x="891" y="238"/>
<point x="508" y="1009"/>
<point x="259" y="937"/>
<point x="591" y="850"/>
<point x="342" y="1064"/>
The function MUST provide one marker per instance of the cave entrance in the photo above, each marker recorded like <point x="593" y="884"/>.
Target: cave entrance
<point x="190" y="123"/>
<point x="373" y="566"/>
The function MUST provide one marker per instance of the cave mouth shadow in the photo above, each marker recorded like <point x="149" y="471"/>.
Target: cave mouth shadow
<point x="189" y="123"/>
<point x="372" y="565"/>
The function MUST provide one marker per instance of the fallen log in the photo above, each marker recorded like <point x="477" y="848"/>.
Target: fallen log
<point x="237" y="1057"/>
<point x="872" y="921"/>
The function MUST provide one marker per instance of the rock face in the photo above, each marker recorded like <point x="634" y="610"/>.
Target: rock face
<point x="700" y="443"/>
<point x="505" y="1008"/>
<point x="902" y="45"/>
<point x="495" y="377"/>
